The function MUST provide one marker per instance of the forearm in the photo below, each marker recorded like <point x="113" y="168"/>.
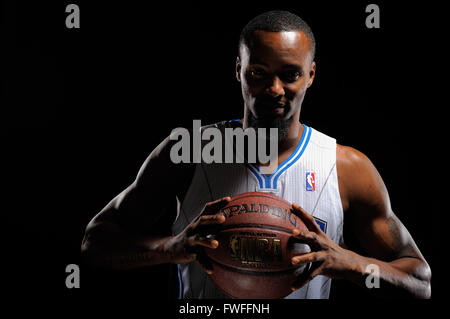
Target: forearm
<point x="121" y="251"/>
<point x="407" y="276"/>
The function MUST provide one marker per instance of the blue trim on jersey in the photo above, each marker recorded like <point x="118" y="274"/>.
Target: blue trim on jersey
<point x="256" y="174"/>
<point x="271" y="181"/>
<point x="180" y="283"/>
<point x="278" y="174"/>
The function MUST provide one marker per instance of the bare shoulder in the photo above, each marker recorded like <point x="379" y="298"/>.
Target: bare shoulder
<point x="359" y="180"/>
<point x="346" y="155"/>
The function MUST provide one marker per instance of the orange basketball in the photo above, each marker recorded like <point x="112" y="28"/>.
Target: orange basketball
<point x="253" y="259"/>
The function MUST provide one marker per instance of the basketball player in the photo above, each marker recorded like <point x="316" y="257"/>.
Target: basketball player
<point x="334" y="184"/>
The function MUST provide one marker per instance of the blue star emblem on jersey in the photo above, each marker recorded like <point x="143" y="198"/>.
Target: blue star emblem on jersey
<point x="310" y="181"/>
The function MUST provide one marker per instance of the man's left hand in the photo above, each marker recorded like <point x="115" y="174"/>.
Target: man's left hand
<point x="327" y="257"/>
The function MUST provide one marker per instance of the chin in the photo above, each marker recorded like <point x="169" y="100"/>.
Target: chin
<point x="281" y="123"/>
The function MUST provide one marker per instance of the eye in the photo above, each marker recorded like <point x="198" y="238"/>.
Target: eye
<point x="257" y="73"/>
<point x="291" y="76"/>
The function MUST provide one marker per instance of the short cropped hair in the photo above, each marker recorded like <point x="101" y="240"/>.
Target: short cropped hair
<point x="277" y="21"/>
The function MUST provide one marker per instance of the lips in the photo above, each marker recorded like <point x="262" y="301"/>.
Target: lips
<point x="270" y="108"/>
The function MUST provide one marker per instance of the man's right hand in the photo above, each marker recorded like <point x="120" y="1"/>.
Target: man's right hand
<point x="188" y="245"/>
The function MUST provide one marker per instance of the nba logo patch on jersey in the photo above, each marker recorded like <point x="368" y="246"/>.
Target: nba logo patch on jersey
<point x="310" y="181"/>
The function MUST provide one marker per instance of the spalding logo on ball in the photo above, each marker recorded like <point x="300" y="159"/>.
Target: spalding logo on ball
<point x="253" y="259"/>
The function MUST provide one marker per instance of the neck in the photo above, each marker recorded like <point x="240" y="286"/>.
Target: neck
<point x="287" y="144"/>
<point x="292" y="139"/>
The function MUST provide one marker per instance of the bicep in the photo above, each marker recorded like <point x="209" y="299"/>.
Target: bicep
<point x="386" y="238"/>
<point x="373" y="224"/>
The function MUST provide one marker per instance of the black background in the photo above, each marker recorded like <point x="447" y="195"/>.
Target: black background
<point x="82" y="109"/>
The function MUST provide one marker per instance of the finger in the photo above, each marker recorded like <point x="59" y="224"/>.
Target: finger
<point x="307" y="237"/>
<point x="206" y="225"/>
<point x="309" y="221"/>
<point x="204" y="262"/>
<point x="308" y="258"/>
<point x="215" y="206"/>
<point x="211" y="219"/>
<point x="315" y="260"/>
<point x="306" y="277"/>
<point x="198" y="240"/>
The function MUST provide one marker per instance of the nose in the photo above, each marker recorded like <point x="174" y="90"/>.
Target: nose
<point x="275" y="87"/>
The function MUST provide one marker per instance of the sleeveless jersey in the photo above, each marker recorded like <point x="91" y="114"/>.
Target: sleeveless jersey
<point x="307" y="177"/>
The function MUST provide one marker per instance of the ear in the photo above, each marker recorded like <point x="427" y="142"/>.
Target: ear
<point x="238" y="69"/>
<point x="312" y="73"/>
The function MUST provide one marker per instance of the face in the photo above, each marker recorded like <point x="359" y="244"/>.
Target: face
<point x="275" y="72"/>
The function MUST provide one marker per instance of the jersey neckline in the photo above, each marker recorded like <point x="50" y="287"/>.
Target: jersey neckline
<point x="270" y="182"/>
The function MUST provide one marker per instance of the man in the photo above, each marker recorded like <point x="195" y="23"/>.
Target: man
<point x="334" y="184"/>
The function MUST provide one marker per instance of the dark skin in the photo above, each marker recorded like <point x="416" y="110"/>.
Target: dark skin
<point x="274" y="74"/>
<point x="279" y="64"/>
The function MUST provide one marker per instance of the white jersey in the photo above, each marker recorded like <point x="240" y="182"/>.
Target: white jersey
<point x="307" y="177"/>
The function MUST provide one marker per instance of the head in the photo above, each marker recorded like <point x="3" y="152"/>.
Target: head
<point x="275" y="67"/>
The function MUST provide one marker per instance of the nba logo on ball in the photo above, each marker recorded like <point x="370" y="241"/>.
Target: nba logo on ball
<point x="310" y="181"/>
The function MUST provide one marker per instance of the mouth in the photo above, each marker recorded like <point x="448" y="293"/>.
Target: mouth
<point x="273" y="109"/>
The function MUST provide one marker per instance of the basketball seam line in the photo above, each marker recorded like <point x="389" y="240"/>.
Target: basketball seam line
<point x="257" y="226"/>
<point x="252" y="272"/>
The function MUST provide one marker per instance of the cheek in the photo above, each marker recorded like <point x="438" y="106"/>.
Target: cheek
<point x="247" y="95"/>
<point x="295" y="93"/>
<point x="250" y="89"/>
<point x="253" y="85"/>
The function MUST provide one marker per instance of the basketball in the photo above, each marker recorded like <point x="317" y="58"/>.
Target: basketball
<point x="253" y="259"/>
